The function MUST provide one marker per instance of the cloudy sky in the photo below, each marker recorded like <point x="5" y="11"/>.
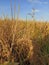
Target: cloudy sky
<point x="26" y="6"/>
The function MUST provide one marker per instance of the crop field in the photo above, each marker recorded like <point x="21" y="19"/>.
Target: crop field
<point x="24" y="42"/>
<point x="24" y="32"/>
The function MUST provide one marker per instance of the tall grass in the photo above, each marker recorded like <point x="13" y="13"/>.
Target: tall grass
<point x="31" y="50"/>
<point x="23" y="42"/>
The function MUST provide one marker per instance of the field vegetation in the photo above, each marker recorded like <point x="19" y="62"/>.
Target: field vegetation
<point x="24" y="42"/>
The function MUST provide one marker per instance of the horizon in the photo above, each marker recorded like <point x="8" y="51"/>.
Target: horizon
<point x="26" y="6"/>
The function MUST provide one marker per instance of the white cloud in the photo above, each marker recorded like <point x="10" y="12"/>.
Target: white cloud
<point x="37" y="10"/>
<point x="38" y="1"/>
<point x="45" y="2"/>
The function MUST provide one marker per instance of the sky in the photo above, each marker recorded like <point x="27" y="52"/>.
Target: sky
<point x="26" y="6"/>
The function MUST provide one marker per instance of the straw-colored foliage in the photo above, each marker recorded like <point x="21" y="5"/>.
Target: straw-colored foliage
<point x="30" y="44"/>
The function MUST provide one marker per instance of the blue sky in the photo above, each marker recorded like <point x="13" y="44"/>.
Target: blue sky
<point x="41" y="8"/>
